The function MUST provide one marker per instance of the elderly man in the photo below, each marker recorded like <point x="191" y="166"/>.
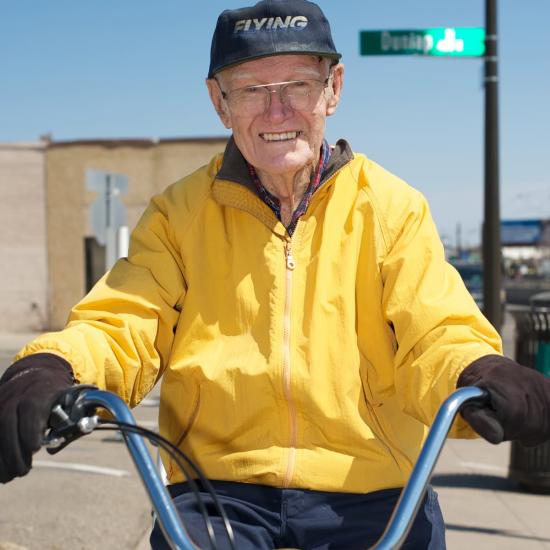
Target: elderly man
<point x="295" y="300"/>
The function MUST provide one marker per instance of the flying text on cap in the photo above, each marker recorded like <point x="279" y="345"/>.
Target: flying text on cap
<point x="271" y="23"/>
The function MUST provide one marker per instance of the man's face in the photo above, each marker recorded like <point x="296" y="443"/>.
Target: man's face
<point x="279" y="140"/>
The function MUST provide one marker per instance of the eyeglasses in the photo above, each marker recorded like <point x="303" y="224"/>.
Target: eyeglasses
<point x="299" y="95"/>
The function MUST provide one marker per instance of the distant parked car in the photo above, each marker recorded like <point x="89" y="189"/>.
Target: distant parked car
<point x="472" y="275"/>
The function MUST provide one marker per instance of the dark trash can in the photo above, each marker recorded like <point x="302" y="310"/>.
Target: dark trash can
<point x="541" y="299"/>
<point x="530" y="466"/>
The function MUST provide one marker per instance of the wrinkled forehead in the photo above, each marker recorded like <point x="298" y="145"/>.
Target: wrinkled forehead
<point x="276" y="68"/>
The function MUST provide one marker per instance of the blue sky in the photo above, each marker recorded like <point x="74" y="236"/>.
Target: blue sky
<point x="136" y="68"/>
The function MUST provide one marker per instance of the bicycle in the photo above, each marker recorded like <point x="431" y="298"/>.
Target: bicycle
<point x="74" y="415"/>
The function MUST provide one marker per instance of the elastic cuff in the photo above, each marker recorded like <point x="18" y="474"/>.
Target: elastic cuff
<point x="475" y="371"/>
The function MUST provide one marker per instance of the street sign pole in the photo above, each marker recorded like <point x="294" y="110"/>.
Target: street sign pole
<point x="111" y="227"/>
<point x="492" y="271"/>
<point x="108" y="213"/>
<point x="464" y="42"/>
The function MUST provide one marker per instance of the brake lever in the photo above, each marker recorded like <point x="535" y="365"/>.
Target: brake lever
<point x="70" y="419"/>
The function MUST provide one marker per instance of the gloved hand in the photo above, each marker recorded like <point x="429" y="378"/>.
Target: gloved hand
<point x="28" y="390"/>
<point x="519" y="407"/>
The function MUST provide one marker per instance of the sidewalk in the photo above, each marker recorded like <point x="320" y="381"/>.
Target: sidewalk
<point x="482" y="508"/>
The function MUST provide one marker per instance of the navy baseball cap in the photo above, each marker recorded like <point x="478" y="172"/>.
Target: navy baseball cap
<point x="270" y="27"/>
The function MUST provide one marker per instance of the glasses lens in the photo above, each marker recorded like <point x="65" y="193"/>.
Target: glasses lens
<point x="300" y="95"/>
<point x="249" y="101"/>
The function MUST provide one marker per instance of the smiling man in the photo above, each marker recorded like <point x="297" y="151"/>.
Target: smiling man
<point x="295" y="300"/>
<point x="276" y="107"/>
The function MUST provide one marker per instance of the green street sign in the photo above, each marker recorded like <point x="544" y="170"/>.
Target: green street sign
<point x="454" y="41"/>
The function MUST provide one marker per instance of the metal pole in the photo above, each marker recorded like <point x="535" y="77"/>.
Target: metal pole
<point x="110" y="229"/>
<point x="491" y="227"/>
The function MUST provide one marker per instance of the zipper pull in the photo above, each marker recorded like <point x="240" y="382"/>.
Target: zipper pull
<point x="290" y="263"/>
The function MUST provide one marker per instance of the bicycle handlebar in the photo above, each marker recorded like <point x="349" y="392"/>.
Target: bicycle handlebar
<point x="402" y="516"/>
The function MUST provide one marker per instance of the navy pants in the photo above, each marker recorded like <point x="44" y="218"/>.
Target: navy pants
<point x="267" y="517"/>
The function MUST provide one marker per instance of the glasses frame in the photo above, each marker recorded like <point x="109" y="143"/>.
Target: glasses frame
<point x="280" y="86"/>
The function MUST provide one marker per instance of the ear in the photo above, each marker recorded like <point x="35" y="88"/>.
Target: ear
<point x="336" y="88"/>
<point x="215" y="93"/>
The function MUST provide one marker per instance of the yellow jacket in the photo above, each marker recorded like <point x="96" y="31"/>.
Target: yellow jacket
<point x="315" y="361"/>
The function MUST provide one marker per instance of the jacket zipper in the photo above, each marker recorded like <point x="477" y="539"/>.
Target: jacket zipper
<point x="287" y="368"/>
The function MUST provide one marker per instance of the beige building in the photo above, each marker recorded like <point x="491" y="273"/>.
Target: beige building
<point x="49" y="236"/>
<point x="23" y="277"/>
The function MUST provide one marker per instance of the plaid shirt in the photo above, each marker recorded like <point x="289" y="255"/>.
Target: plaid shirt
<point x="273" y="202"/>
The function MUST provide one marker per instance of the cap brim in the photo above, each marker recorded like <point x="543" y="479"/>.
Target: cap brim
<point x="337" y="56"/>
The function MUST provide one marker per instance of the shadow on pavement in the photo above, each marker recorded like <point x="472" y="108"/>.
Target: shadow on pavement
<point x="476" y="481"/>
<point x="494" y="532"/>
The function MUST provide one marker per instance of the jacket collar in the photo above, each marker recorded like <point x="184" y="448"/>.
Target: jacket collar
<point x="235" y="169"/>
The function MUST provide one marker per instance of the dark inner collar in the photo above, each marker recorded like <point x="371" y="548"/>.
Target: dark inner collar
<point x="234" y="167"/>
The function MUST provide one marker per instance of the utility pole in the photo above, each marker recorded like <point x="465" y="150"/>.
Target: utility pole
<point x="492" y="279"/>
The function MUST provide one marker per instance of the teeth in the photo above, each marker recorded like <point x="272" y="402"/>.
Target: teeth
<point x="280" y="137"/>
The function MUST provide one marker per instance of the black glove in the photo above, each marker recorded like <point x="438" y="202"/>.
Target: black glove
<point x="28" y="390"/>
<point x="519" y="407"/>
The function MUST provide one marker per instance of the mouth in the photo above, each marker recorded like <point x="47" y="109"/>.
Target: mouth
<point x="279" y="136"/>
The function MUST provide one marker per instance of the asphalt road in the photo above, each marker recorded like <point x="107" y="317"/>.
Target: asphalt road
<point x="86" y="497"/>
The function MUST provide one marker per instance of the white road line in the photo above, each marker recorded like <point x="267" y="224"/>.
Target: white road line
<point x="485" y="467"/>
<point x="150" y="402"/>
<point x="86" y="468"/>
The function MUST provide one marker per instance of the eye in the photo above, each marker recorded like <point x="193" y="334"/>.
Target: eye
<point x="252" y="91"/>
<point x="301" y="87"/>
<point x="248" y="94"/>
